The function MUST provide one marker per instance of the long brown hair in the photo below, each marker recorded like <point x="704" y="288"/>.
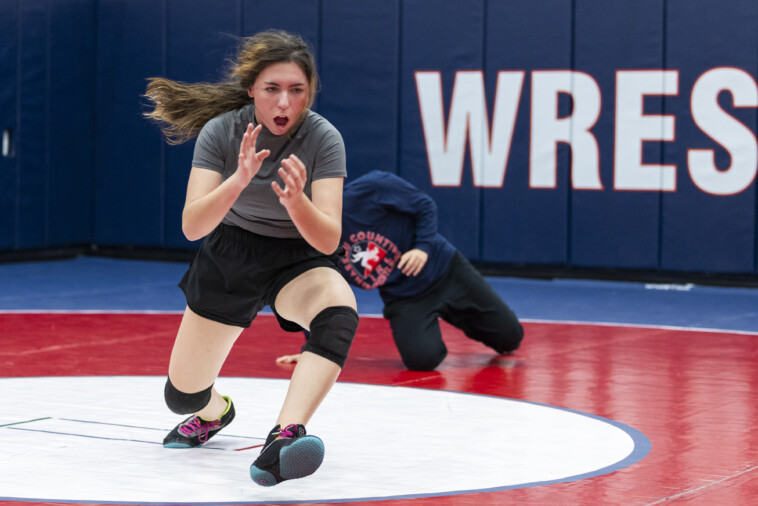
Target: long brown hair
<point x="183" y="108"/>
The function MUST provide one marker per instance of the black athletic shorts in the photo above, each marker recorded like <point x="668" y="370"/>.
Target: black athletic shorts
<point x="236" y="273"/>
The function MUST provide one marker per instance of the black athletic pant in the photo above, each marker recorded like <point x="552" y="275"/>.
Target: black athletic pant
<point x="463" y="298"/>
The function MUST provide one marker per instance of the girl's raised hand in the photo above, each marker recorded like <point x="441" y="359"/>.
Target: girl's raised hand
<point x="249" y="162"/>
<point x="294" y="175"/>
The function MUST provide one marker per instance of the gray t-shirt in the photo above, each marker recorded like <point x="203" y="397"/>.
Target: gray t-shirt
<point x="316" y="142"/>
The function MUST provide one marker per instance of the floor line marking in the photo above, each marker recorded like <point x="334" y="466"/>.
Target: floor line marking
<point x="147" y="428"/>
<point x="26" y="421"/>
<point x="247" y="448"/>
<point x="698" y="489"/>
<point x="84" y="435"/>
<point x="110" y="424"/>
<point x="123" y="439"/>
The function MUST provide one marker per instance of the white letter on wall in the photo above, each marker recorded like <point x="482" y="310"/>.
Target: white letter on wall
<point x="633" y="127"/>
<point x="468" y="118"/>
<point x="547" y="129"/>
<point x="738" y="140"/>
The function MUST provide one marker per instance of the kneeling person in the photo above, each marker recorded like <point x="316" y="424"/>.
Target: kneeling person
<point x="389" y="230"/>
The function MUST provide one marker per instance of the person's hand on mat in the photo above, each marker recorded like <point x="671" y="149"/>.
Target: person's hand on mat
<point x="288" y="359"/>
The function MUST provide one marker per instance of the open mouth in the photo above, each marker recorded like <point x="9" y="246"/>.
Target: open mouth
<point x="281" y="120"/>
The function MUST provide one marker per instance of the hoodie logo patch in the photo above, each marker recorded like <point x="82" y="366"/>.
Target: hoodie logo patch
<point x="370" y="259"/>
<point x="366" y="256"/>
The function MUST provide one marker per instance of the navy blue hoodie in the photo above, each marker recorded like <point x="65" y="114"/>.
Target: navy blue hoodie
<point x="383" y="216"/>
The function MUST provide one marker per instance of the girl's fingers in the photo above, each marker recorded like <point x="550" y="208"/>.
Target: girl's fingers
<point x="246" y="138"/>
<point x="277" y="189"/>
<point x="295" y="172"/>
<point x="293" y="176"/>
<point x="298" y="162"/>
<point x="292" y="182"/>
<point x="253" y="132"/>
<point x="249" y="138"/>
<point x="285" y="177"/>
<point x="293" y="164"/>
<point x="261" y="155"/>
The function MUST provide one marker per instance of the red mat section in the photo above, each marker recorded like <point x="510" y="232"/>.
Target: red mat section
<point x="693" y="394"/>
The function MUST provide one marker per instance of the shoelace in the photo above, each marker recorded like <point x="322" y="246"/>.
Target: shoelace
<point x="199" y="427"/>
<point x="286" y="432"/>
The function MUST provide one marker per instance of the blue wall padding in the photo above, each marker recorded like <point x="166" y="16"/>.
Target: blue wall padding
<point x="89" y="169"/>
<point x="521" y="225"/>
<point x="71" y="130"/>
<point x="9" y="14"/>
<point x="129" y="181"/>
<point x="616" y="228"/>
<point x="33" y="132"/>
<point x="209" y="33"/>
<point x="702" y="231"/>
<point x="297" y="16"/>
<point x="445" y="36"/>
<point x="359" y="74"/>
<point x="47" y="63"/>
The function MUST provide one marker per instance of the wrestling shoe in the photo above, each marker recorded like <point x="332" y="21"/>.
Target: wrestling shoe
<point x="288" y="454"/>
<point x="195" y="431"/>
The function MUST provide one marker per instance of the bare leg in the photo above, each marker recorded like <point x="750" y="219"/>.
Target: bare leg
<point x="200" y="349"/>
<point x="311" y="380"/>
<point x="300" y="301"/>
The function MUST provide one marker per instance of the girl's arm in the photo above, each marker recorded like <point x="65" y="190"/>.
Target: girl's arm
<point x="319" y="220"/>
<point x="208" y="199"/>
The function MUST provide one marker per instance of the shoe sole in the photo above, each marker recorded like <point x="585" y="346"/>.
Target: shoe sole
<point x="177" y="445"/>
<point x="298" y="460"/>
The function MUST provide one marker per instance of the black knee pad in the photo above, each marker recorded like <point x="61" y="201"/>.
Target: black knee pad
<point x="183" y="403"/>
<point x="332" y="332"/>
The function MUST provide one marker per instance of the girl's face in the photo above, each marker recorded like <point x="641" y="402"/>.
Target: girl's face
<point x="280" y="93"/>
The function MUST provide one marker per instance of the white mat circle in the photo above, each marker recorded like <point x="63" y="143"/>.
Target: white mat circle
<point x="97" y="439"/>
